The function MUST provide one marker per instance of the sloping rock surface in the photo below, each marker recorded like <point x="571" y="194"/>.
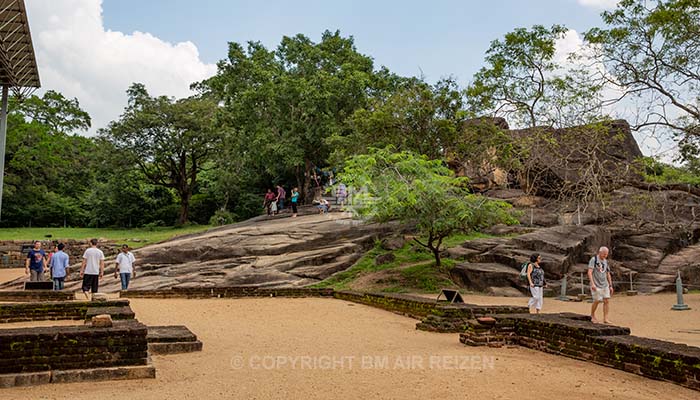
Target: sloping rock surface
<point x="264" y="252"/>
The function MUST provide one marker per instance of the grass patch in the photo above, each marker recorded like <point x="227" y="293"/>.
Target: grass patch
<point x="424" y="277"/>
<point x="133" y="237"/>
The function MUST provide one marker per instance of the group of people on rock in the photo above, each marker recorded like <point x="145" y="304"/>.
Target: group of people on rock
<point x="274" y="201"/>
<point x="599" y="276"/>
<point x="56" y="263"/>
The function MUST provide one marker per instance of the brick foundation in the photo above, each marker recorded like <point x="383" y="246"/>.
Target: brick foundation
<point x="64" y="310"/>
<point x="25" y="350"/>
<point x="226" y="292"/>
<point x="574" y="336"/>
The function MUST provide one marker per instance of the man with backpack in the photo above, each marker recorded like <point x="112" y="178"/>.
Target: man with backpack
<point x="601" y="283"/>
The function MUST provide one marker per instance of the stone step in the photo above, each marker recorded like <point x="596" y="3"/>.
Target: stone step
<point x="172" y="339"/>
<point x="174" y="347"/>
<point x="117" y="313"/>
<point x="169" y="334"/>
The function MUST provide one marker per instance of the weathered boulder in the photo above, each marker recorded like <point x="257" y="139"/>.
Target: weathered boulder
<point x="482" y="173"/>
<point x="385" y="258"/>
<point x="567" y="159"/>
<point x="482" y="276"/>
<point x="392" y="243"/>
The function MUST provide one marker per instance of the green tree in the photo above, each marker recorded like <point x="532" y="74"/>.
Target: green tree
<point x="524" y="83"/>
<point x="169" y="140"/>
<point x="47" y="170"/>
<point x="419" y="192"/>
<point x="650" y="50"/>
<point x="414" y="116"/>
<point x="282" y="105"/>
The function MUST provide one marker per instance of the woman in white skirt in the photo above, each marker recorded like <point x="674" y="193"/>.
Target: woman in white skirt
<point x="535" y="275"/>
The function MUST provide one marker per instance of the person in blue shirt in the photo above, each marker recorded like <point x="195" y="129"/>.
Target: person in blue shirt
<point x="59" y="263"/>
<point x="295" y="201"/>
<point x="35" y="263"/>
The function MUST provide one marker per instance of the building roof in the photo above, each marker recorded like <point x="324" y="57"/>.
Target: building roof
<point x="17" y="61"/>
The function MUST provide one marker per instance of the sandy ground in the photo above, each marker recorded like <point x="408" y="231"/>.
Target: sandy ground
<point x="9" y="274"/>
<point x="250" y="346"/>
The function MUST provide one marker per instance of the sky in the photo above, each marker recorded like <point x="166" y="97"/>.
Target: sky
<point x="94" y="49"/>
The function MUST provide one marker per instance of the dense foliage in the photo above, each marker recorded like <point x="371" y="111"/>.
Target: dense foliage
<point x="285" y="115"/>
<point x="422" y="193"/>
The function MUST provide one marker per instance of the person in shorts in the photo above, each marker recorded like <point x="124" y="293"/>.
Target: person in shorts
<point x="601" y="283"/>
<point x="92" y="269"/>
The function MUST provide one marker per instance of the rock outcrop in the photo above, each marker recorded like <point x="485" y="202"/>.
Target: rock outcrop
<point x="566" y="159"/>
<point x="264" y="252"/>
<point x="651" y="234"/>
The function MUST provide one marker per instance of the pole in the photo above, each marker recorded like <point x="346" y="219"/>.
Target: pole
<point x="680" y="305"/>
<point x="562" y="294"/>
<point x="3" y="134"/>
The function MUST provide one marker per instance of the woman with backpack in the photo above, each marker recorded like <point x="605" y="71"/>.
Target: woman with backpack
<point x="535" y="276"/>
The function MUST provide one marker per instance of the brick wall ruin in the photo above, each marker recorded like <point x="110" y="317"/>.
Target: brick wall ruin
<point x="573" y="336"/>
<point x="72" y="347"/>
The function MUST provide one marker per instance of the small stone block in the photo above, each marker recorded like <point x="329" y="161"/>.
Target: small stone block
<point x="105" y="374"/>
<point x="25" y="379"/>
<point x="102" y="321"/>
<point x="486" y="320"/>
<point x="99" y="297"/>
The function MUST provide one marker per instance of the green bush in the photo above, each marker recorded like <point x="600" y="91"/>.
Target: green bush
<point x="222" y="217"/>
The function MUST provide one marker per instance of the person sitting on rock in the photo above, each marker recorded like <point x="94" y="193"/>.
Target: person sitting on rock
<point x="323" y="206"/>
<point x="535" y="276"/>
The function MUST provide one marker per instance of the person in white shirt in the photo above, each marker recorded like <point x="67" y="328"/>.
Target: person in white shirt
<point x="125" y="267"/>
<point x="92" y="269"/>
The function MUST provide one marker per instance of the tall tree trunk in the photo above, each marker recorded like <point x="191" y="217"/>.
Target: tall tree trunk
<point x="307" y="182"/>
<point x="184" y="207"/>
<point x="185" y="193"/>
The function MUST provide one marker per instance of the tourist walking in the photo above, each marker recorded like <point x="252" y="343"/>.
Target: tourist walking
<point x="281" y="195"/>
<point x="267" y="203"/>
<point x="58" y="264"/>
<point x="125" y="267"/>
<point x="295" y="201"/>
<point x="92" y="269"/>
<point x="535" y="276"/>
<point x="35" y="264"/>
<point x="601" y="283"/>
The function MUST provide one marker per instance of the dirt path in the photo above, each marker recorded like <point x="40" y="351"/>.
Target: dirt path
<point x="10" y="274"/>
<point x="250" y="345"/>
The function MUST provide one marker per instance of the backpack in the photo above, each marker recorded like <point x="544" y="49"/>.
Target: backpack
<point x="523" y="270"/>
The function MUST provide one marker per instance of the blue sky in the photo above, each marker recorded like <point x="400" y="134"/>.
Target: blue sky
<point x="439" y="38"/>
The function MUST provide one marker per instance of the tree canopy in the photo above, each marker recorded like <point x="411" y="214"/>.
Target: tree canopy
<point x="169" y="140"/>
<point x="421" y="193"/>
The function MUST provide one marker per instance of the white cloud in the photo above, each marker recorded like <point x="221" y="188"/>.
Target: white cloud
<point x="79" y="58"/>
<point x="598" y="4"/>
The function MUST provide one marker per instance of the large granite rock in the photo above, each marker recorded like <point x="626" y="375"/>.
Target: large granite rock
<point x="264" y="252"/>
<point x="566" y="159"/>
